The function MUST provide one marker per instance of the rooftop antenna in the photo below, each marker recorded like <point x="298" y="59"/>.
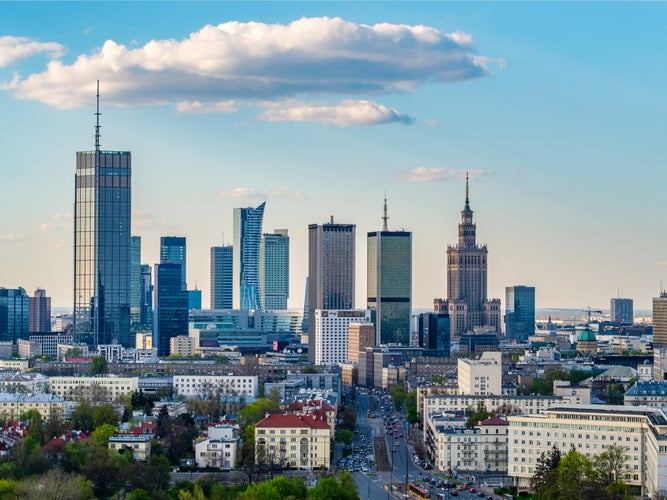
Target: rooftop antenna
<point x="385" y="218"/>
<point x="332" y="220"/>
<point x="97" y="116"/>
<point x="467" y="207"/>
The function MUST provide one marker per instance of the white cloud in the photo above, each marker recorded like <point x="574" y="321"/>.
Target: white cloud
<point x="13" y="237"/>
<point x="423" y="174"/>
<point x="61" y="216"/>
<point x="15" y="48"/>
<point x="345" y="114"/>
<point x="46" y="227"/>
<point x="286" y="194"/>
<point x="202" y="107"/>
<point x="242" y="193"/>
<point x="234" y="60"/>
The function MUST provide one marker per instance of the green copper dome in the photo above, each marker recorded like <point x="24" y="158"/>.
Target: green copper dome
<point x="586" y="336"/>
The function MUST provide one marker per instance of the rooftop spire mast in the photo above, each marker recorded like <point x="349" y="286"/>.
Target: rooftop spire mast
<point x="467" y="193"/>
<point x="385" y="218"/>
<point x="97" y="117"/>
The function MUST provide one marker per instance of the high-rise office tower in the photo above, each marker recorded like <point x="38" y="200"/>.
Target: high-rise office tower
<point x="40" y="312"/>
<point x="467" y="304"/>
<point x="173" y="251"/>
<point x="660" y="320"/>
<point x="222" y="280"/>
<point x="434" y="334"/>
<point x="519" y="312"/>
<point x="14" y="314"/>
<point x="170" y="306"/>
<point x="622" y="311"/>
<point x="102" y="208"/>
<point x="389" y="280"/>
<point x="146" y="296"/>
<point x="247" y="238"/>
<point x="135" y="281"/>
<point x="274" y="270"/>
<point x="330" y="271"/>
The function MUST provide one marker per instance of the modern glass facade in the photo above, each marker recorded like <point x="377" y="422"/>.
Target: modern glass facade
<point x="389" y="285"/>
<point x="170" y="313"/>
<point x="135" y="281"/>
<point x="14" y="314"/>
<point x="434" y="334"/>
<point x="146" y="296"/>
<point x="222" y="287"/>
<point x="331" y="252"/>
<point x="247" y="239"/>
<point x="519" y="312"/>
<point x="274" y="270"/>
<point x="621" y="310"/>
<point x="102" y="207"/>
<point x="173" y="251"/>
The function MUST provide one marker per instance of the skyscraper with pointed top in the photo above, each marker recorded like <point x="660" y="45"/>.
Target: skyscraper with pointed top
<point x="247" y="240"/>
<point x="467" y="303"/>
<point x="389" y="280"/>
<point x="102" y="208"/>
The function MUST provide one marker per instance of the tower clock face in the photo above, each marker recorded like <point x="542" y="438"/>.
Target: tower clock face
<point x="468" y="220"/>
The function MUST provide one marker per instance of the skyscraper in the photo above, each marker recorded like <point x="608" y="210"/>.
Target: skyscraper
<point x="135" y="281"/>
<point x="389" y="280"/>
<point x="467" y="304"/>
<point x="146" y="296"/>
<point x="622" y="311"/>
<point x="170" y="310"/>
<point x="434" y="334"/>
<point x="173" y="251"/>
<point x="330" y="271"/>
<point x="222" y="286"/>
<point x="40" y="312"/>
<point x="519" y="312"/>
<point x="660" y="321"/>
<point x="274" y="270"/>
<point x="247" y="238"/>
<point x="14" y="314"/>
<point x="102" y="208"/>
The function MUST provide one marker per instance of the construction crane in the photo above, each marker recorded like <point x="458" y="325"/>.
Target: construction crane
<point x="588" y="311"/>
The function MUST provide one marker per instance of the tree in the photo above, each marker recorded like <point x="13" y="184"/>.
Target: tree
<point x="348" y="418"/>
<point x="82" y="416"/>
<point x="35" y="425"/>
<point x="345" y="436"/>
<point x="399" y="395"/>
<point x="545" y="471"/>
<point x="28" y="458"/>
<point x="75" y="456"/>
<point x="438" y="379"/>
<point x="152" y="476"/>
<point x="411" y="408"/>
<point x="256" y="411"/>
<point x="278" y="488"/>
<point x="332" y="487"/>
<point x="104" y="414"/>
<point x="56" y="485"/>
<point x="100" y="436"/>
<point x="99" y="366"/>
<point x="574" y="470"/>
<point x="104" y="468"/>
<point x="476" y="416"/>
<point x="246" y="459"/>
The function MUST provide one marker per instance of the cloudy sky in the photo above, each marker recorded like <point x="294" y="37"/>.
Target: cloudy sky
<point x="557" y="111"/>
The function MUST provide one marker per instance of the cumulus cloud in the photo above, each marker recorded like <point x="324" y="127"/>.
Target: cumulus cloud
<point x="346" y="113"/>
<point x="242" y="193"/>
<point x="15" y="48"/>
<point x="235" y="60"/>
<point x="423" y="174"/>
<point x="61" y="216"/>
<point x="202" y="107"/>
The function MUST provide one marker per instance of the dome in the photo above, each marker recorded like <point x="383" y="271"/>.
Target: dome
<point x="586" y="336"/>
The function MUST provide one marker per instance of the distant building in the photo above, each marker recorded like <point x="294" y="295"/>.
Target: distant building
<point x="170" y="313"/>
<point x="519" y="312"/>
<point x="135" y="281"/>
<point x="14" y="404"/>
<point x="660" y="320"/>
<point x="360" y="336"/>
<point x="194" y="299"/>
<point x="14" y="314"/>
<point x="143" y="341"/>
<point x="587" y="344"/>
<point x="621" y="311"/>
<point x="222" y="285"/>
<point x="477" y="343"/>
<point x="181" y="345"/>
<point x="173" y="251"/>
<point x="40" y="312"/>
<point x="274" y="270"/>
<point x="139" y="446"/>
<point x="331" y="268"/>
<point x="434" y="332"/>
<point x="331" y="334"/>
<point x="247" y="239"/>
<point x="202" y="385"/>
<point x="105" y="389"/>
<point x="146" y="284"/>
<point x="481" y="377"/>
<point x="28" y="349"/>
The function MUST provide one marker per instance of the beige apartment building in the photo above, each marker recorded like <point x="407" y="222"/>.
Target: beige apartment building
<point x="97" y="389"/>
<point x="360" y="336"/>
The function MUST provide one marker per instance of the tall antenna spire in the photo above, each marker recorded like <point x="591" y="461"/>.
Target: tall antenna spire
<point x="97" y="116"/>
<point x="385" y="218"/>
<point x="467" y="192"/>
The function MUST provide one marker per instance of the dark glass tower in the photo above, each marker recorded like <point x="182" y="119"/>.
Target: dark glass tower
<point x="173" y="251"/>
<point x="247" y="239"/>
<point x="389" y="284"/>
<point x="102" y="208"/>
<point x="519" y="312"/>
<point x="170" y="313"/>
<point x="330" y="271"/>
<point x="14" y="314"/>
<point x="222" y="277"/>
<point x="146" y="296"/>
<point x="434" y="334"/>
<point x="135" y="281"/>
<point x="40" y="312"/>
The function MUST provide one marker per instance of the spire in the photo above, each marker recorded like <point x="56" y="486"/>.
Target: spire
<point x="385" y="218"/>
<point x="467" y="194"/>
<point x="97" y="116"/>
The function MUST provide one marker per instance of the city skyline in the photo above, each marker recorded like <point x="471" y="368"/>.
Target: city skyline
<point x="561" y="135"/>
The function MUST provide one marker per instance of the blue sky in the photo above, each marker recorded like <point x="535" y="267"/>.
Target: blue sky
<point x="557" y="110"/>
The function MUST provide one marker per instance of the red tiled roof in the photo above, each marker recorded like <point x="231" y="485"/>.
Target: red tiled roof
<point x="278" y="420"/>
<point x="494" y="421"/>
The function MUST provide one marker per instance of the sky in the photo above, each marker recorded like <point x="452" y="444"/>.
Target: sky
<point x="556" y="110"/>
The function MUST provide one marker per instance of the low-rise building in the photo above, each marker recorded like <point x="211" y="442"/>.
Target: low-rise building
<point x="203" y="385"/>
<point x="181" y="345"/>
<point x="220" y="448"/>
<point x="93" y="388"/>
<point x="18" y="365"/>
<point x="50" y="342"/>
<point x="293" y="441"/>
<point x="574" y="394"/>
<point x="653" y="394"/>
<point x="28" y="349"/>
<point x="13" y="405"/>
<point x="140" y="445"/>
<point x="481" y="376"/>
<point x="25" y="383"/>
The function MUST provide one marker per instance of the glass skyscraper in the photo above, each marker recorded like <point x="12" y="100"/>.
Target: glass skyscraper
<point x="146" y="296"/>
<point x="519" y="312"/>
<point x="14" y="314"/>
<point x="434" y="334"/>
<point x="173" y="251"/>
<point x="621" y="310"/>
<point x="331" y="258"/>
<point x="222" y="277"/>
<point x="170" y="313"/>
<point x="274" y="270"/>
<point x="389" y="281"/>
<point x="135" y="281"/>
<point x="247" y="238"/>
<point x="102" y="208"/>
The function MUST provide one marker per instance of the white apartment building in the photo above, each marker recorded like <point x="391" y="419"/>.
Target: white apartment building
<point x="456" y="448"/>
<point x="642" y="431"/>
<point x="331" y="333"/>
<point x="202" y="385"/>
<point x="481" y="377"/>
<point x="93" y="388"/>
<point x="574" y="394"/>
<point x="50" y="342"/>
<point x="181" y="345"/>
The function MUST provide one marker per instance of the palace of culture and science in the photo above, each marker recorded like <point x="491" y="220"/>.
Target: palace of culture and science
<point x="466" y="303"/>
